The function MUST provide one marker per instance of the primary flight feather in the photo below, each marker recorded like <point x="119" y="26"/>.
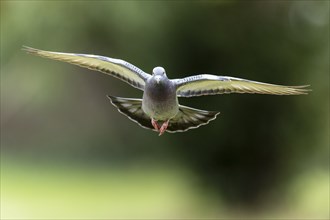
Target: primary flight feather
<point x="159" y="108"/>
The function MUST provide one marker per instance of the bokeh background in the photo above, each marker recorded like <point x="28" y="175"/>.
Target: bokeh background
<point x="67" y="153"/>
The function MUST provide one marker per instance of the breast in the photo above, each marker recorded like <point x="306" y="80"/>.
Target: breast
<point x="159" y="100"/>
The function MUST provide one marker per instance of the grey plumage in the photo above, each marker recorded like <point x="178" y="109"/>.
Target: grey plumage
<point x="160" y="94"/>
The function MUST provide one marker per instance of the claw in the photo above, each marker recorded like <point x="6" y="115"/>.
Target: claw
<point x="163" y="127"/>
<point x="154" y="124"/>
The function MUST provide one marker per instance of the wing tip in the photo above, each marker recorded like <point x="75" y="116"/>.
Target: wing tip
<point x="29" y="50"/>
<point x="299" y="90"/>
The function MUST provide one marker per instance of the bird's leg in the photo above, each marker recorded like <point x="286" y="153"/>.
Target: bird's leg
<point x="154" y="124"/>
<point x="163" y="127"/>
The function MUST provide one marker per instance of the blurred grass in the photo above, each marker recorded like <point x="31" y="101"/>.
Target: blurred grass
<point x="61" y="191"/>
<point x="310" y="194"/>
<point x="31" y="190"/>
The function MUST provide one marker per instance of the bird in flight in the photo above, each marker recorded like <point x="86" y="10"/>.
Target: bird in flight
<point x="159" y="108"/>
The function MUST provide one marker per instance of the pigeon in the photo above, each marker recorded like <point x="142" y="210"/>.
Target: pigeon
<point x="159" y="108"/>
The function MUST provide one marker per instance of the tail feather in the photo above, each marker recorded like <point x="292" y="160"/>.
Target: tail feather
<point x="132" y="108"/>
<point x="187" y="118"/>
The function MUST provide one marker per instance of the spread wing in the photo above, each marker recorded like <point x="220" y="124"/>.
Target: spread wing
<point x="206" y="84"/>
<point x="113" y="67"/>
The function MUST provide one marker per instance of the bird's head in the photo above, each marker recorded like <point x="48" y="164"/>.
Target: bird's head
<point x="159" y="74"/>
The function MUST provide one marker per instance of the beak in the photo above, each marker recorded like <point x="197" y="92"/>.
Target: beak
<point x="157" y="79"/>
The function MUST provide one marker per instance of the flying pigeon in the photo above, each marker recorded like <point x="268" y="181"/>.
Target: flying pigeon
<point x="159" y="108"/>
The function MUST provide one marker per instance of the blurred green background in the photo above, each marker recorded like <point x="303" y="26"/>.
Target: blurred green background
<point x="67" y="153"/>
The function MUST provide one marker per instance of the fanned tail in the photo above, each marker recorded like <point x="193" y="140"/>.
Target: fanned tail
<point x="187" y="118"/>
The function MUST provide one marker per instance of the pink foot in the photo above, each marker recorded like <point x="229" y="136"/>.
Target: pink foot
<point x="154" y="124"/>
<point x="163" y="128"/>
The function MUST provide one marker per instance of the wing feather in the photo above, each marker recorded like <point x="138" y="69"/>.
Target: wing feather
<point x="113" y="67"/>
<point x="206" y="84"/>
